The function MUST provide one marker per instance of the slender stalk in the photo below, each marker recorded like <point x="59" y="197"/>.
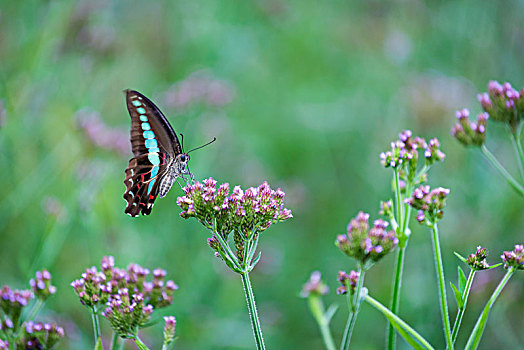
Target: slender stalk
<point x="36" y="308"/>
<point x="392" y="335"/>
<point x="476" y="334"/>
<point x="139" y="344"/>
<point x="398" y="320"/>
<point x="441" y="286"/>
<point x="355" y="307"/>
<point x="398" y="199"/>
<point x="116" y="342"/>
<point x="460" y="314"/>
<point x="253" y="314"/>
<point x="96" y="323"/>
<point x="513" y="183"/>
<point x="317" y="309"/>
<point x="403" y="211"/>
<point x="515" y="139"/>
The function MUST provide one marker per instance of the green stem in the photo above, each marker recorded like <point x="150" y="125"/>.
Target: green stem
<point x="317" y="309"/>
<point x="96" y="323"/>
<point x="252" y="308"/>
<point x="139" y="344"/>
<point x="441" y="286"/>
<point x="460" y="314"/>
<point x="398" y="320"/>
<point x="513" y="183"/>
<point x="398" y="198"/>
<point x="116" y="343"/>
<point x="476" y="334"/>
<point x="396" y="296"/>
<point x="36" y="308"/>
<point x="515" y="138"/>
<point x="355" y="307"/>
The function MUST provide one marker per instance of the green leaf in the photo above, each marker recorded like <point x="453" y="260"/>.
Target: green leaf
<point x="330" y="312"/>
<point x="462" y="280"/>
<point x="474" y="338"/>
<point x="493" y="266"/>
<point x="461" y="257"/>
<point x="407" y="337"/>
<point x="98" y="345"/>
<point x="458" y="296"/>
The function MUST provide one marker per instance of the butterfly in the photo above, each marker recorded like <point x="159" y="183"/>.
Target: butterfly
<point x="158" y="159"/>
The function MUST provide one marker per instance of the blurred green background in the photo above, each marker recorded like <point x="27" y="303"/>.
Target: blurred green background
<point x="303" y="94"/>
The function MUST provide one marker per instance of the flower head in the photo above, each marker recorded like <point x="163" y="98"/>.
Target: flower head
<point x="246" y="213"/>
<point x="169" y="329"/>
<point x="503" y="103"/>
<point x="348" y="281"/>
<point x="314" y="286"/>
<point x="13" y="301"/>
<point x="468" y="132"/>
<point x="38" y="335"/>
<point x="41" y="285"/>
<point x="477" y="261"/>
<point x="128" y="295"/>
<point x="404" y="154"/>
<point x="430" y="203"/>
<point x="514" y="258"/>
<point x="367" y="244"/>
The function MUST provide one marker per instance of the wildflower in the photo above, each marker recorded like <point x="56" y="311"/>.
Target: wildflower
<point x="477" y="261"/>
<point x="127" y="297"/>
<point x="41" y="285"/>
<point x="503" y="103"/>
<point x="404" y="155"/>
<point x="13" y="301"/>
<point x="127" y="312"/>
<point x="470" y="133"/>
<point x="348" y="281"/>
<point x="169" y="330"/>
<point x="4" y="345"/>
<point x="38" y="335"/>
<point x="245" y="213"/>
<point x="514" y="258"/>
<point x="314" y="286"/>
<point x="365" y="244"/>
<point x="430" y="203"/>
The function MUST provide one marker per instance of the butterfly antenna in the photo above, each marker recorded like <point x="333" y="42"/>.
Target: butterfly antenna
<point x="207" y="144"/>
<point x="182" y="136"/>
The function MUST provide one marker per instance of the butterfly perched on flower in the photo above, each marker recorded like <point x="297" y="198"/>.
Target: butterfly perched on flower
<point x="158" y="156"/>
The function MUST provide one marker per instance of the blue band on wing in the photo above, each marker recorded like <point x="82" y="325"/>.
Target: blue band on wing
<point x="149" y="135"/>
<point x="141" y="110"/>
<point x="151" y="143"/>
<point x="153" y="158"/>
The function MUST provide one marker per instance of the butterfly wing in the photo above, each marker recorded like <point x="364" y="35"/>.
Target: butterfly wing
<point x="155" y="146"/>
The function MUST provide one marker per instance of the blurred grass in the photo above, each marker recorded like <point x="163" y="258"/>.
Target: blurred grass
<point x="319" y="89"/>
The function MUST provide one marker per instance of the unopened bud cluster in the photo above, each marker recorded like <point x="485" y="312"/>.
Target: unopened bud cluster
<point x="28" y="334"/>
<point x="169" y="329"/>
<point x="246" y="213"/>
<point x="38" y="335"/>
<point x="503" y="103"/>
<point x="348" y="281"/>
<point x="477" y="261"/>
<point x="314" y="286"/>
<point x="126" y="296"/>
<point x="404" y="152"/>
<point x="367" y="244"/>
<point x="429" y="203"/>
<point x="514" y="258"/>
<point x="468" y="132"/>
<point x="41" y="285"/>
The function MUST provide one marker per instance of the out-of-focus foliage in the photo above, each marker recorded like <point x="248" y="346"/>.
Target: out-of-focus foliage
<point x="303" y="94"/>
